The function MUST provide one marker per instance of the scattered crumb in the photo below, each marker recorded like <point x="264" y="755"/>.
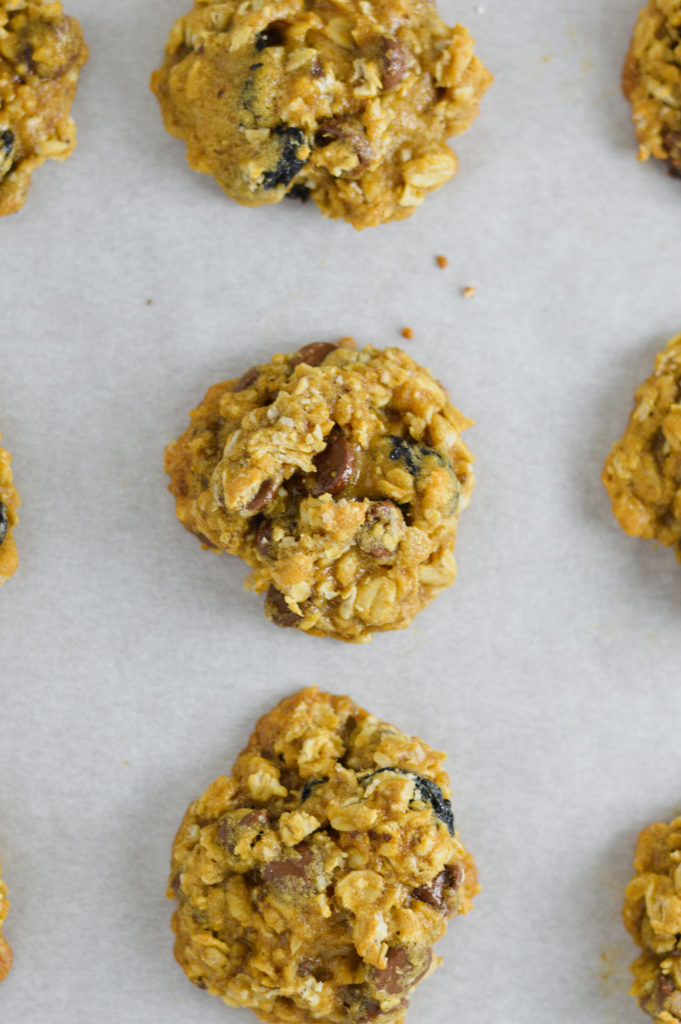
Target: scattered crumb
<point x="442" y="262"/>
<point x="149" y="302"/>
<point x="468" y="293"/>
<point x="347" y="342"/>
<point x="407" y="333"/>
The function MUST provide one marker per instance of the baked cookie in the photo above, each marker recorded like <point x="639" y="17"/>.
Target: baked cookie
<point x="5" y="950"/>
<point x="9" y="502"/>
<point x="338" y="476"/>
<point x="41" y="54"/>
<point x="642" y="474"/>
<point x="652" y="915"/>
<point x="651" y="81"/>
<point x="348" y="102"/>
<point x="312" y="884"/>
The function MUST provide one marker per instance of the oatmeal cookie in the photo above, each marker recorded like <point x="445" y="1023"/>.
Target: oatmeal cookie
<point x="643" y="471"/>
<point x="652" y="915"/>
<point x="41" y="54"/>
<point x="651" y="81"/>
<point x="312" y="884"/>
<point x="338" y="476"/>
<point x="9" y="502"/>
<point x="348" y="102"/>
<point x="5" y="950"/>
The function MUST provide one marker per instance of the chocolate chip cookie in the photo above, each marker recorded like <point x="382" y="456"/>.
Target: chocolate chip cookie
<point x="9" y="502"/>
<point x="643" y="471"/>
<point x="346" y="102"/>
<point x="41" y="54"/>
<point x="312" y="884"/>
<point x="338" y="476"/>
<point x="652" y="915"/>
<point x="5" y="950"/>
<point x="651" y="81"/>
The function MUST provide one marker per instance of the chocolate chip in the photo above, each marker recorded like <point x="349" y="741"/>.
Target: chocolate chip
<point x="204" y="540"/>
<point x="395" y="61"/>
<point x="273" y="35"/>
<point x="289" y="162"/>
<point x="279" y="612"/>
<point x="434" y="892"/>
<point x="4" y="521"/>
<point x="293" y="867"/>
<point x="263" y="539"/>
<point x="314" y="353"/>
<point x="333" y="467"/>
<point x="672" y="141"/>
<point x="347" y="131"/>
<point x="254" y="818"/>
<point x="246" y="379"/>
<point x="665" y="988"/>
<point x="263" y="497"/>
<point x="391" y="979"/>
<point x="175" y="882"/>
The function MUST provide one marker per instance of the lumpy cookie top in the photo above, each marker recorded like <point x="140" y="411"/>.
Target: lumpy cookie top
<point x="9" y="502"/>
<point x="5" y="950"/>
<point x="652" y="915"/>
<point x="338" y="476"/>
<point x="651" y="81"/>
<point x="642" y="474"/>
<point x="349" y="102"/>
<point x="312" y="884"/>
<point x="41" y="54"/>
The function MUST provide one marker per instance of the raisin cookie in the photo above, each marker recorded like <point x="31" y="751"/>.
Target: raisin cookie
<point x="652" y="915"/>
<point x="643" y="471"/>
<point x="9" y="502"/>
<point x="651" y="81"/>
<point x="312" y="884"/>
<point x="5" y="949"/>
<point x="348" y="102"/>
<point x="41" y="54"/>
<point x="338" y="476"/>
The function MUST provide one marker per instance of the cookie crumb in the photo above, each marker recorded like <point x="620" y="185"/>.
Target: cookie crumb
<point x="442" y="262"/>
<point x="469" y="292"/>
<point x="149" y="302"/>
<point x="407" y="333"/>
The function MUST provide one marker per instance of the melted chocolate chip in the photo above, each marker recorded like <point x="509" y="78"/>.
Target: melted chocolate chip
<point x="246" y="379"/>
<point x="434" y="892"/>
<point x="333" y="467"/>
<point x="395" y="61"/>
<point x="391" y="979"/>
<point x="672" y="141"/>
<point x="313" y="354"/>
<point x="279" y="612"/>
<point x="273" y="35"/>
<point x="263" y="497"/>
<point x="263" y="539"/>
<point x="293" y="867"/>
<point x="4" y="521"/>
<point x="347" y="131"/>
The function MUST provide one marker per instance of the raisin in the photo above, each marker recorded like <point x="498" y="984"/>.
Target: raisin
<point x="4" y="521"/>
<point x="6" y="151"/>
<point x="411" y="453"/>
<point x="279" y="612"/>
<point x="289" y="163"/>
<point x="309" y="786"/>
<point x="299" y="192"/>
<point x="429" y="792"/>
<point x="273" y="35"/>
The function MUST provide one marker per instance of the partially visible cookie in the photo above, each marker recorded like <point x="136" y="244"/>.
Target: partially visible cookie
<point x="642" y="474"/>
<point x="346" y="102"/>
<point x="9" y="502"/>
<point x="338" y="476"/>
<point x="313" y="883"/>
<point x="5" y="949"/>
<point x="41" y="54"/>
<point x="651" y="81"/>
<point x="652" y="915"/>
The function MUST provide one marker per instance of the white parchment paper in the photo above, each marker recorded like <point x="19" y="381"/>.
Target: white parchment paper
<point x="132" y="663"/>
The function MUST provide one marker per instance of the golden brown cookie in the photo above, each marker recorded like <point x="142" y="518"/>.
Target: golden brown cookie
<point x="652" y="915"/>
<point x="9" y="502"/>
<point x="338" y="476"/>
<point x="348" y="102"/>
<point x="642" y="474"/>
<point x="312" y="884"/>
<point x="5" y="950"/>
<point x="41" y="54"/>
<point x="651" y="81"/>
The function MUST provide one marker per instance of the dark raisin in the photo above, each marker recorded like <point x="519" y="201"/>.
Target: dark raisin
<point x="411" y="453"/>
<point x="289" y="163"/>
<point x="4" y="521"/>
<point x="279" y="612"/>
<point x="6" y="151"/>
<point x="273" y="35"/>
<point x="300" y="192"/>
<point x="309" y="786"/>
<point x="254" y="67"/>
<point x="429" y="792"/>
<point x="333" y="467"/>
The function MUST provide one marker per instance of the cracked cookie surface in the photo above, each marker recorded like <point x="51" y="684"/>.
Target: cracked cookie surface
<point x="642" y="474"/>
<point x="346" y="102"/>
<point x="312" y="884"/>
<point x="9" y="502"/>
<point x="5" y="950"/>
<point x="652" y="915"/>
<point x="651" y="81"/>
<point x="41" y="54"/>
<point x="338" y="476"/>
